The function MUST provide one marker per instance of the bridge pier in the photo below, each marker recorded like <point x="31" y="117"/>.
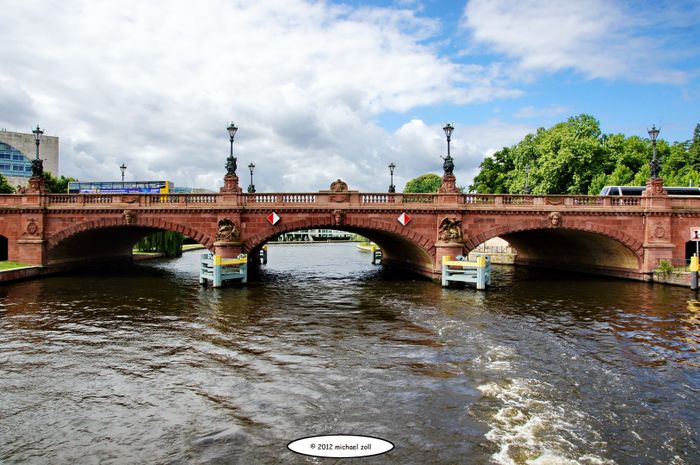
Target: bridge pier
<point x="31" y="251"/>
<point x="658" y="226"/>
<point x="445" y="249"/>
<point x="225" y="249"/>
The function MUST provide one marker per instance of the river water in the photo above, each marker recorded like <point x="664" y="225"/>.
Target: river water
<point x="139" y="364"/>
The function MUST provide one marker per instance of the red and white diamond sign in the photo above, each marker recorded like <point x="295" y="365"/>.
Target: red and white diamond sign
<point x="273" y="218"/>
<point x="404" y="219"/>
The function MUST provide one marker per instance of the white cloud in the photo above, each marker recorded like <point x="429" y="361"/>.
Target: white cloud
<point x="598" y="38"/>
<point x="154" y="85"/>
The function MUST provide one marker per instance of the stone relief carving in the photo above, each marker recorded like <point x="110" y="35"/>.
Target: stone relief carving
<point x="658" y="231"/>
<point x="129" y="216"/>
<point x="338" y="217"/>
<point x="32" y="228"/>
<point x="555" y="219"/>
<point x="450" y="230"/>
<point x="339" y="186"/>
<point x="228" y="231"/>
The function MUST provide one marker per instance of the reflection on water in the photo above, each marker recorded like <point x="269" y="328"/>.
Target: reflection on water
<point x="139" y="364"/>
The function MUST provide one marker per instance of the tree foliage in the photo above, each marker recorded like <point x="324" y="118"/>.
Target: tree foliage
<point x="575" y="157"/>
<point x="5" y="187"/>
<point x="425" y="183"/>
<point x="56" y="185"/>
<point x="168" y="243"/>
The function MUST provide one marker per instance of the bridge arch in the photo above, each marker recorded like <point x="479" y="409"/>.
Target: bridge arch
<point x="573" y="245"/>
<point x="110" y="238"/>
<point x="405" y="249"/>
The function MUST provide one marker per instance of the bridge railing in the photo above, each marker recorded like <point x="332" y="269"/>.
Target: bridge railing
<point x="352" y="197"/>
<point x="324" y="198"/>
<point x="142" y="200"/>
<point x="514" y="200"/>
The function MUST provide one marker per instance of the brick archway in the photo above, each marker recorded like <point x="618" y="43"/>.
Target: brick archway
<point x="351" y="225"/>
<point x="106" y="223"/>
<point x="403" y="247"/>
<point x="635" y="246"/>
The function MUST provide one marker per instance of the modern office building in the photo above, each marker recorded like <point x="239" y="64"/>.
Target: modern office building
<point x="17" y="150"/>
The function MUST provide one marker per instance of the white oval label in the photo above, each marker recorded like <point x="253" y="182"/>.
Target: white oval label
<point x="340" y="446"/>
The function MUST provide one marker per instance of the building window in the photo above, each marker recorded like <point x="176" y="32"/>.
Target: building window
<point x="21" y="166"/>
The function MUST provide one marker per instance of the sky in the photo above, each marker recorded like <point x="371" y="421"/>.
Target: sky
<point x="322" y="90"/>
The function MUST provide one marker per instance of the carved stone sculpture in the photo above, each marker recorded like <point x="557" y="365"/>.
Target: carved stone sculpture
<point x="339" y="186"/>
<point x="338" y="217"/>
<point x="228" y="231"/>
<point x="450" y="230"/>
<point x="555" y="219"/>
<point x="129" y="216"/>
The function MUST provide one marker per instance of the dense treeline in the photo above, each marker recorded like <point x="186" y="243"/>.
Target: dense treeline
<point x="574" y="157"/>
<point x="168" y="243"/>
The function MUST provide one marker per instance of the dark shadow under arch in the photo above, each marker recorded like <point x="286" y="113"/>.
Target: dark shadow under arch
<point x="98" y="244"/>
<point x="3" y="248"/>
<point x="575" y="247"/>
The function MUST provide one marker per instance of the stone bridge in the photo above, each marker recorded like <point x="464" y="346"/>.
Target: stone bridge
<point x="619" y="236"/>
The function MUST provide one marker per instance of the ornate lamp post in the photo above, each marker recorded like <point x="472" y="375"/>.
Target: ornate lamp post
<point x="37" y="163"/>
<point x="449" y="182"/>
<point x="392" y="188"/>
<point x="231" y="160"/>
<point x="251" y="188"/>
<point x="448" y="165"/>
<point x="123" y="168"/>
<point x="526" y="189"/>
<point x="654" y="167"/>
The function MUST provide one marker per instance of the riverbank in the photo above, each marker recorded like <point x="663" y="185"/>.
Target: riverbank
<point x="676" y="278"/>
<point x="21" y="272"/>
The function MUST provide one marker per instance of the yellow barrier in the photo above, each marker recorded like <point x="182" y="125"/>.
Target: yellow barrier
<point x="446" y="260"/>
<point x="220" y="261"/>
<point x="694" y="263"/>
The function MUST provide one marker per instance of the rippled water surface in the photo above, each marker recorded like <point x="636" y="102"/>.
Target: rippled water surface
<point x="139" y="364"/>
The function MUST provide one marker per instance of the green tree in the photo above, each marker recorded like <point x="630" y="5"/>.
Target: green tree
<point x="5" y="187"/>
<point x="56" y="185"/>
<point x="425" y="183"/>
<point x="574" y="157"/>
<point x="169" y="243"/>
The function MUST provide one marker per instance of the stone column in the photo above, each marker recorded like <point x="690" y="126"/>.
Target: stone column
<point x="658" y="235"/>
<point x="446" y="249"/>
<point x="227" y="249"/>
<point x="30" y="241"/>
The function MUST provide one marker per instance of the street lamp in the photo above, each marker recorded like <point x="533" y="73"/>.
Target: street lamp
<point x="251" y="188"/>
<point x="448" y="165"/>
<point x="37" y="163"/>
<point x="123" y="168"/>
<point x="231" y="160"/>
<point x="526" y="189"/>
<point x="654" y="167"/>
<point x="392" y="188"/>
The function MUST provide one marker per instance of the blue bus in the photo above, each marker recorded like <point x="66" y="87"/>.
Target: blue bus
<point x="118" y="187"/>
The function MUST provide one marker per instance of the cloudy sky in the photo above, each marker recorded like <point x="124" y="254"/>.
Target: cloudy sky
<point x="328" y="89"/>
